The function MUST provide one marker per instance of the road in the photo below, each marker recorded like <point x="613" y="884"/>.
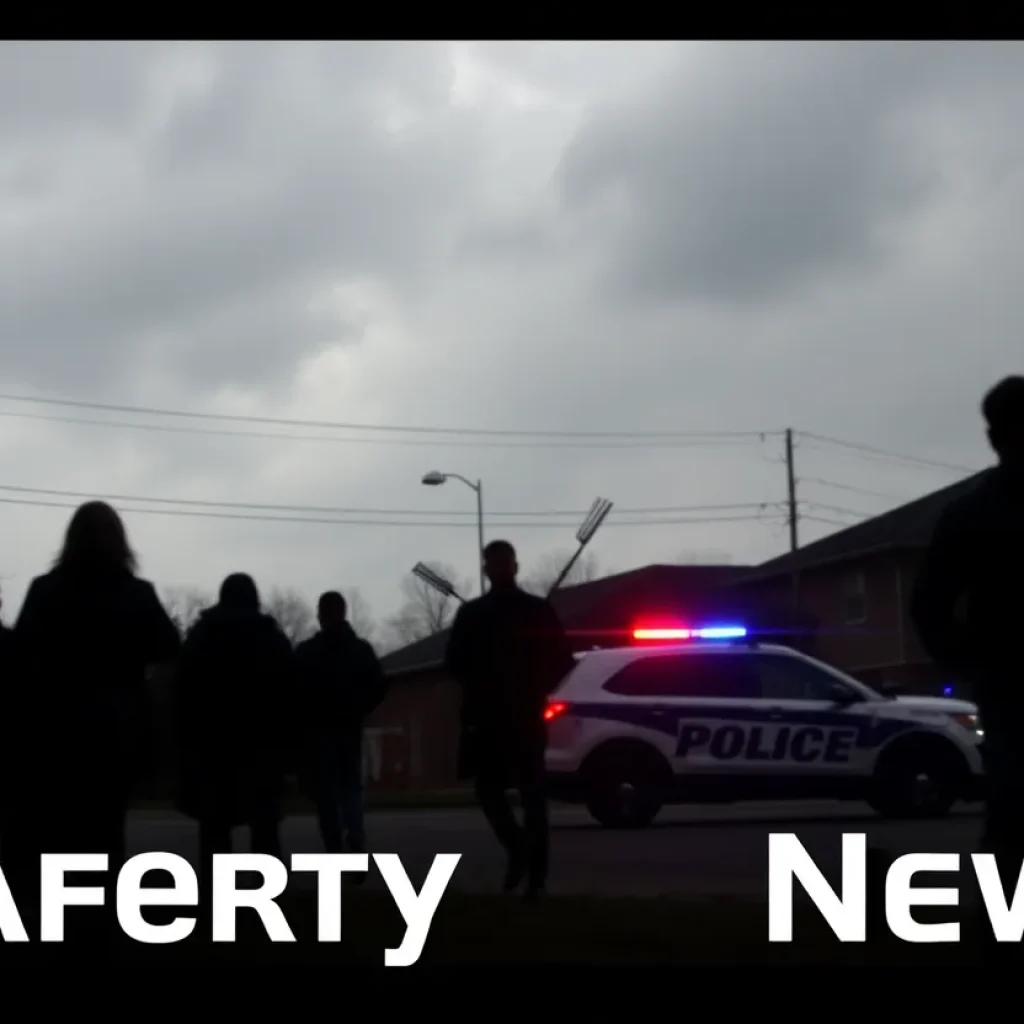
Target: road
<point x="692" y="851"/>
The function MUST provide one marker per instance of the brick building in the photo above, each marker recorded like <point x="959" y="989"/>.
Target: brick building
<point x="857" y="582"/>
<point x="413" y="737"/>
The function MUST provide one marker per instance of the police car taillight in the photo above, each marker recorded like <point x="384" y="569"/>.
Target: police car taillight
<point x="683" y="633"/>
<point x="554" y="709"/>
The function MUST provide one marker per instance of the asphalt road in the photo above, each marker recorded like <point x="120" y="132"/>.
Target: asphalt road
<point x="691" y="851"/>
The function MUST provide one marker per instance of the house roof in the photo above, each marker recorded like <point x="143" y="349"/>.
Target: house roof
<point x="599" y="605"/>
<point x="908" y="526"/>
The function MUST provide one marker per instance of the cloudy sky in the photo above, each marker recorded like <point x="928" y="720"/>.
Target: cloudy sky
<point x="704" y="240"/>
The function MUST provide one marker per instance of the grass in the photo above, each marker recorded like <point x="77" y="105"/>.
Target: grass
<point x="476" y="930"/>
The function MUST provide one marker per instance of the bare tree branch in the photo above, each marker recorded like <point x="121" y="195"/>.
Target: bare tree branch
<point x="541" y="578"/>
<point x="185" y="604"/>
<point x="424" y="611"/>
<point x="360" y="616"/>
<point x="294" y="614"/>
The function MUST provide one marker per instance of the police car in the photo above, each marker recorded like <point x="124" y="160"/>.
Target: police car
<point x="711" y="714"/>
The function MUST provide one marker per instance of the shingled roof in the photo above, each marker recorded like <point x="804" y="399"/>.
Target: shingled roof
<point x="589" y="606"/>
<point x="908" y="526"/>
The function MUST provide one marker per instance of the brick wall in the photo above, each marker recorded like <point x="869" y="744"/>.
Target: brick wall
<point x="842" y="641"/>
<point x="883" y="648"/>
<point x="411" y="740"/>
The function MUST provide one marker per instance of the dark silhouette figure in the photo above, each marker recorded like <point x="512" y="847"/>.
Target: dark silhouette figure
<point x="340" y="683"/>
<point x="968" y="605"/>
<point x="508" y="652"/>
<point x="233" y="700"/>
<point x="80" y="719"/>
<point x="8" y="767"/>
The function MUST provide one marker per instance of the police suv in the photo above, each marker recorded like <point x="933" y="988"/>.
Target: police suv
<point x="710" y="714"/>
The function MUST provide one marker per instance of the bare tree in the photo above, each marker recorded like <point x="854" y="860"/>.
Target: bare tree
<point x="424" y="611"/>
<point x="542" y="577"/>
<point x="185" y="604"/>
<point x="360" y="616"/>
<point x="294" y="614"/>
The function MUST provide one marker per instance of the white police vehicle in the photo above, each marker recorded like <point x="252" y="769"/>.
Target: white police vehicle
<point x="708" y="715"/>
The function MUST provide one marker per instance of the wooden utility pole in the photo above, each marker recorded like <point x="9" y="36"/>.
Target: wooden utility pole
<point x="791" y="492"/>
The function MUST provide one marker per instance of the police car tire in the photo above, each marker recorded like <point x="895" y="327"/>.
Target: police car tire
<point x="942" y="764"/>
<point x="634" y="765"/>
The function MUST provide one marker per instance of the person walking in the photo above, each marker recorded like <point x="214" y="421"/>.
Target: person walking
<point x="340" y="683"/>
<point x="233" y="703"/>
<point x="80" y="719"/>
<point x="967" y="606"/>
<point x="508" y="651"/>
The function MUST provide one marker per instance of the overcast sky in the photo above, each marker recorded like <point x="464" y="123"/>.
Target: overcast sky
<point x="667" y="237"/>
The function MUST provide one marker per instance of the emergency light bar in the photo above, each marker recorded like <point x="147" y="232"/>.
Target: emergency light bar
<point x="703" y="633"/>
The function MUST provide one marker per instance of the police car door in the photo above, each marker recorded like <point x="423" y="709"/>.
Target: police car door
<point x="691" y="706"/>
<point x="716" y="690"/>
<point x="808" y="729"/>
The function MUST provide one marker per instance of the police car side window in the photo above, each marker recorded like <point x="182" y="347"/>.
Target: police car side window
<point x="784" y="678"/>
<point x="723" y="676"/>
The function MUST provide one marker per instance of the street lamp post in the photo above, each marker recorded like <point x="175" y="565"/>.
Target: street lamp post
<point x="435" y="478"/>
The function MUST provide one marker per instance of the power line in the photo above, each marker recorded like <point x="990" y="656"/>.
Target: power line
<point x="843" y="511"/>
<point x="164" y="428"/>
<point x="339" y="511"/>
<point x="387" y="428"/>
<point x="828" y="522"/>
<point x="848" y="487"/>
<point x="885" y="453"/>
<point x="186" y="513"/>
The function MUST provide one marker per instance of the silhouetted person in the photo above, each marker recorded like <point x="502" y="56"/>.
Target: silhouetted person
<point x="8" y="768"/>
<point x="508" y="652"/>
<point x="233" y="700"/>
<point x="341" y="682"/>
<point x="968" y="607"/>
<point x="81" y="721"/>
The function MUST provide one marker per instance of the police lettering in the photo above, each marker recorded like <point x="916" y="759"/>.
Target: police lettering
<point x="803" y="744"/>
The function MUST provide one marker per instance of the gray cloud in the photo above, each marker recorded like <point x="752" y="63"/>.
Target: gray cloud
<point x="278" y="180"/>
<point x="48" y="88"/>
<point x="591" y="236"/>
<point x="761" y="171"/>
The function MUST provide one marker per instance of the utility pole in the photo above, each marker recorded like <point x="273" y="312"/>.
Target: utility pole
<point x="480" y="533"/>
<point x="791" y="491"/>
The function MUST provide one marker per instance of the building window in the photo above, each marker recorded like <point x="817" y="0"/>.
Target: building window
<point x="855" y="598"/>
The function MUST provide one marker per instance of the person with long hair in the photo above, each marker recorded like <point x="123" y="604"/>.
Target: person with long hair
<point x="88" y="633"/>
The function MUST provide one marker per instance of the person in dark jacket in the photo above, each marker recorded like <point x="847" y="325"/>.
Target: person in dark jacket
<point x="508" y="651"/>
<point x="233" y="698"/>
<point x="80" y="721"/>
<point x="340" y="683"/>
<point x="968" y="606"/>
<point x="8" y="682"/>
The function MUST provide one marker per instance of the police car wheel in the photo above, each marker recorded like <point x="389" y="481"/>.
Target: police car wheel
<point x="918" y="784"/>
<point x="625" y="788"/>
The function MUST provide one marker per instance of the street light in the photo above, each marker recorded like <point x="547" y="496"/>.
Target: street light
<point x="435" y="478"/>
<point x="595" y="517"/>
<point x="436" y="581"/>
